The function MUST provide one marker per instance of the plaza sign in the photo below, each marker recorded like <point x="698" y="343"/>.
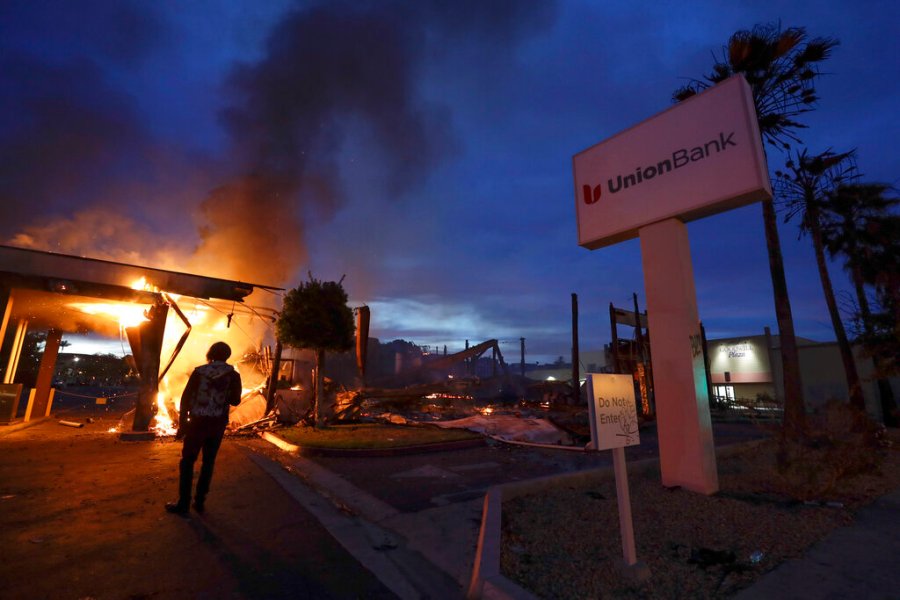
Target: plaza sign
<point x="699" y="157"/>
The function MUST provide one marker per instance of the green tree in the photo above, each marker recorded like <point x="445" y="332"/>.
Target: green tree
<point x="315" y="315"/>
<point x="803" y="187"/>
<point x="781" y="66"/>
<point x="862" y="228"/>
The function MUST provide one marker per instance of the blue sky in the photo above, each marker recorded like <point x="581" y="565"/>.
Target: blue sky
<point x="423" y="150"/>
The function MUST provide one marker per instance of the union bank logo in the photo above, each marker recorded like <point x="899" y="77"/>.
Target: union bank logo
<point x="679" y="158"/>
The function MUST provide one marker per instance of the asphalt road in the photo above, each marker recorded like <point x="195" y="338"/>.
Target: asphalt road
<point x="415" y="482"/>
<point x="81" y="516"/>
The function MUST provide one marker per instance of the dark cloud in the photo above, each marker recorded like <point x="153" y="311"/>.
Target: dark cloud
<point x="66" y="136"/>
<point x="70" y="137"/>
<point x="494" y="23"/>
<point x="114" y="31"/>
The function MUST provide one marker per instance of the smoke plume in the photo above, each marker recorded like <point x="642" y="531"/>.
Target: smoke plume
<point x="82" y="171"/>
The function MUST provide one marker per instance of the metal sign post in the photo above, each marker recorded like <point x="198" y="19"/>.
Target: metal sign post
<point x="626" y="526"/>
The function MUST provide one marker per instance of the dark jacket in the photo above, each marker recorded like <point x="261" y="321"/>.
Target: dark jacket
<point x="211" y="389"/>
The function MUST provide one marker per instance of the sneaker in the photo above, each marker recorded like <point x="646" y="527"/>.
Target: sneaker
<point x="198" y="506"/>
<point x="176" y="508"/>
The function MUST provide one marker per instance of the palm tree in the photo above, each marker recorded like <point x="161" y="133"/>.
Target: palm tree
<point x="855" y="227"/>
<point x="882" y="267"/>
<point x="853" y="214"/>
<point x="803" y="188"/>
<point x="781" y="67"/>
<point x="882" y="270"/>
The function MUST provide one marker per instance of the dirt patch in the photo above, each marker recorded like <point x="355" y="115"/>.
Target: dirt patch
<point x="564" y="542"/>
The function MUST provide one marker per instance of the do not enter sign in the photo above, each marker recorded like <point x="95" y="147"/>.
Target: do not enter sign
<point x="613" y="413"/>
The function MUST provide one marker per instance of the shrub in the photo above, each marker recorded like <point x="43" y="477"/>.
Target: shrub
<point x="840" y="442"/>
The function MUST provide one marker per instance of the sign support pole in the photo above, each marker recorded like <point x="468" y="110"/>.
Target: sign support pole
<point x="626" y="527"/>
<point x="687" y="456"/>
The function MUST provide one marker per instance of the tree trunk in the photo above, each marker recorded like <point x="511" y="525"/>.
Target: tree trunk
<point x="319" y="395"/>
<point x="859" y="286"/>
<point x="885" y="392"/>
<point x="855" y="389"/>
<point x="794" y="407"/>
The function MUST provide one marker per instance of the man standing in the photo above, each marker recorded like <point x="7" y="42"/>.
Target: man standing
<point x="211" y="389"/>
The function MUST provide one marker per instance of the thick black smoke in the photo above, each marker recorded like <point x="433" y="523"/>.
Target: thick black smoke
<point x="340" y="65"/>
<point x="72" y="141"/>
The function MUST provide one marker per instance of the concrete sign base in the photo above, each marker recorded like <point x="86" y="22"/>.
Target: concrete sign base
<point x="686" y="450"/>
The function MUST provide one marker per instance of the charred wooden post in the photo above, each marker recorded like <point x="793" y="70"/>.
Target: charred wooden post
<point x="615" y="337"/>
<point x="576" y="385"/>
<point x="146" y="346"/>
<point x="362" y="341"/>
<point x="467" y="364"/>
<point x="639" y="331"/>
<point x="644" y="350"/>
<point x="522" y="362"/>
<point x="273" y="377"/>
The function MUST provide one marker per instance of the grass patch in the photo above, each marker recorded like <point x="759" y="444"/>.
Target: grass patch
<point x="357" y="436"/>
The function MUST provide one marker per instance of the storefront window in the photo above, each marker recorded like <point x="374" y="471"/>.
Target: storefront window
<point x="724" y="394"/>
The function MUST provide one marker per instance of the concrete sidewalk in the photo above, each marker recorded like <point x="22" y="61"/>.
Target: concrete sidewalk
<point x="861" y="560"/>
<point x="405" y="552"/>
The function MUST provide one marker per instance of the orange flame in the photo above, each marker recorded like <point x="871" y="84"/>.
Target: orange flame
<point x="128" y="315"/>
<point x="162" y="422"/>
<point x="143" y="284"/>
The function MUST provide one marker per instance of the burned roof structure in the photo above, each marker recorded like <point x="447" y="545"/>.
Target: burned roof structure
<point x="38" y="288"/>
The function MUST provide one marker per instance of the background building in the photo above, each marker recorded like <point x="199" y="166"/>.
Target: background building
<point x="749" y="368"/>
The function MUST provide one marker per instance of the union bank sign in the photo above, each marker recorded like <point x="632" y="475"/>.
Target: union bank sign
<point x="699" y="157"/>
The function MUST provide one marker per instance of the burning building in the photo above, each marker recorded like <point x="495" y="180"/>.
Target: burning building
<point x="160" y="314"/>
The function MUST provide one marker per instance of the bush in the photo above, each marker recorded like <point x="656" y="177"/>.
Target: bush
<point x="840" y="442"/>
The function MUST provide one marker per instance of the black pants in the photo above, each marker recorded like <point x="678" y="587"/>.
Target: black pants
<point x="203" y="434"/>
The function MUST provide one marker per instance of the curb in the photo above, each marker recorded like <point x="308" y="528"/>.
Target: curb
<point x="7" y="429"/>
<point x="373" y="452"/>
<point x="487" y="581"/>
